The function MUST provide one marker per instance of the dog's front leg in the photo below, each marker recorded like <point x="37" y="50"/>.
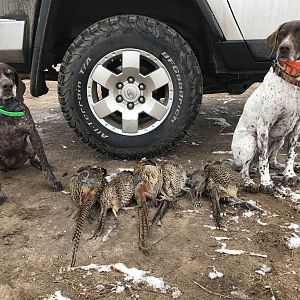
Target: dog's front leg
<point x="289" y="174"/>
<point x="266" y="183"/>
<point x="39" y="150"/>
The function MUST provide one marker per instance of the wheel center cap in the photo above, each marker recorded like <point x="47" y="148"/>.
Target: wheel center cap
<point x="130" y="92"/>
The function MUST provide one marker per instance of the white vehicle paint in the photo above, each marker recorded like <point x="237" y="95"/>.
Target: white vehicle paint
<point x="256" y="19"/>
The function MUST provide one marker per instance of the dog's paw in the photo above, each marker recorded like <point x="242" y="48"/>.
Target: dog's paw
<point x="267" y="188"/>
<point x="251" y="187"/>
<point x="56" y="186"/>
<point x="290" y="181"/>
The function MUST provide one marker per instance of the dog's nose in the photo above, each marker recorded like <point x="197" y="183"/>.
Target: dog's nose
<point x="284" y="48"/>
<point x="7" y="86"/>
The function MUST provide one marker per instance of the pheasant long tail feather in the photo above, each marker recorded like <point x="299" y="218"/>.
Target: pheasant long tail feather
<point x="143" y="224"/>
<point x="101" y="221"/>
<point x="213" y="194"/>
<point x="83" y="214"/>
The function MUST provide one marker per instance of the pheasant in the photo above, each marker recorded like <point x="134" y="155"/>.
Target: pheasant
<point x="197" y="181"/>
<point x="174" y="181"/>
<point x="148" y="181"/>
<point x="223" y="182"/>
<point x="115" y="195"/>
<point x="86" y="186"/>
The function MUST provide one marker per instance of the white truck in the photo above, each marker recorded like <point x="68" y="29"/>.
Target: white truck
<point x="132" y="73"/>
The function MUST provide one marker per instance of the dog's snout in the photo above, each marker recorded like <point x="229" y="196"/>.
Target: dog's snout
<point x="8" y="86"/>
<point x="285" y="49"/>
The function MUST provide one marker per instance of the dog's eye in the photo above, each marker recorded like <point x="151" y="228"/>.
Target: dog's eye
<point x="8" y="73"/>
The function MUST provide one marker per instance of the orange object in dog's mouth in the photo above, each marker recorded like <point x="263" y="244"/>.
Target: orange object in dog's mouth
<point x="290" y="67"/>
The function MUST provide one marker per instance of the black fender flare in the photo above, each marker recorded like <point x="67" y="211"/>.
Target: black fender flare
<point x="38" y="85"/>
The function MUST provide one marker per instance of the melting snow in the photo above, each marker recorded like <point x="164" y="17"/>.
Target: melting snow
<point x="248" y="214"/>
<point x="221" y="238"/>
<point x="237" y="252"/>
<point x="215" y="274"/>
<point x="65" y="192"/>
<point x="176" y="292"/>
<point x="214" y="227"/>
<point x="261" y="223"/>
<point x="294" y="227"/>
<point x="263" y="270"/>
<point x="222" y="152"/>
<point x="294" y="242"/>
<point x="220" y="122"/>
<point x="137" y="276"/>
<point x="57" y="296"/>
<point x="99" y="268"/>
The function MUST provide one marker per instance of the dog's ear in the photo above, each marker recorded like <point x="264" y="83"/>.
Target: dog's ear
<point x="272" y="40"/>
<point x="20" y="87"/>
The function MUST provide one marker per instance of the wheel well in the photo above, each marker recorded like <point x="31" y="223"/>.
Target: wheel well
<point x="71" y="17"/>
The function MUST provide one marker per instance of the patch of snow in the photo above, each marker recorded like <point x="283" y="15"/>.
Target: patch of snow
<point x="258" y="254"/>
<point x="222" y="152"/>
<point x="263" y="270"/>
<point x="176" y="292"/>
<point x="226" y="133"/>
<point x="215" y="274"/>
<point x="229" y="251"/>
<point x="220" y="122"/>
<point x="189" y="211"/>
<point x="136" y="276"/>
<point x="248" y="214"/>
<point x="224" y="250"/>
<point x="109" y="230"/>
<point x="294" y="242"/>
<point x="119" y="170"/>
<point x="221" y="238"/>
<point x="110" y="177"/>
<point x="155" y="282"/>
<point x="118" y="289"/>
<point x="294" y="227"/>
<point x="261" y="223"/>
<point x="235" y="219"/>
<point x="58" y="296"/>
<point x="252" y="202"/>
<point x="65" y="192"/>
<point x="99" y="268"/>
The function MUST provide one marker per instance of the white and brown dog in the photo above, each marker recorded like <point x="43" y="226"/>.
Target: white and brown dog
<point x="272" y="113"/>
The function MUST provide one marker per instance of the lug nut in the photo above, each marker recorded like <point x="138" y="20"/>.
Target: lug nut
<point x="130" y="79"/>
<point x="119" y="99"/>
<point x="119" y="85"/>
<point x="142" y="99"/>
<point x="130" y="105"/>
<point x="142" y="86"/>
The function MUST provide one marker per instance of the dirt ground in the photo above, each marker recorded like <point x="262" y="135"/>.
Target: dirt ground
<point x="36" y="229"/>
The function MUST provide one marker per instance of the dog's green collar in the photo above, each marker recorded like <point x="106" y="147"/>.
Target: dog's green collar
<point x="11" y="113"/>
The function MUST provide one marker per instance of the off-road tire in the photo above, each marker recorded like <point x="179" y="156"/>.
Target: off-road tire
<point x="140" y="32"/>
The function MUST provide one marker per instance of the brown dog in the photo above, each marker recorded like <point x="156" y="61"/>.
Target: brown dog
<point x="17" y="131"/>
